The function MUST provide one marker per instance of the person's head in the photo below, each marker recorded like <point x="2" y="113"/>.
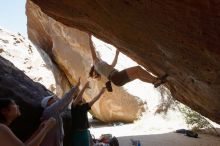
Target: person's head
<point x="81" y="101"/>
<point x="75" y="94"/>
<point x="48" y="100"/>
<point x="94" y="74"/>
<point x="9" y="110"/>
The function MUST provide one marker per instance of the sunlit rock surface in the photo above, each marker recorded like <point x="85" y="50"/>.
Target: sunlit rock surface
<point x="25" y="56"/>
<point x="180" y="38"/>
<point x="69" y="48"/>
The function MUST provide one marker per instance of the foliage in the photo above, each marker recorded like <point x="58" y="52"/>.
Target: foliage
<point x="196" y="121"/>
<point x="167" y="101"/>
<point x="193" y="119"/>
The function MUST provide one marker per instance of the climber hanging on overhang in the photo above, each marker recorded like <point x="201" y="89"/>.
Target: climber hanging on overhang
<point x="119" y="78"/>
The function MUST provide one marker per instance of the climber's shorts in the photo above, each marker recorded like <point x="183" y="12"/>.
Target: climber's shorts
<point x="119" y="78"/>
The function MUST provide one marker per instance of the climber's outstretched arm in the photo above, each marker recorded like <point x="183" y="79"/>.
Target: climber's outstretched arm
<point x="97" y="97"/>
<point x="92" y="48"/>
<point x="114" y="62"/>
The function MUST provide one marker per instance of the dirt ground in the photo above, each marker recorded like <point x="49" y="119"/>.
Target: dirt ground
<point x="171" y="139"/>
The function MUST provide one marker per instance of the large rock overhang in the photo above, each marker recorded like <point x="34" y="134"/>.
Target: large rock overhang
<point x="180" y="38"/>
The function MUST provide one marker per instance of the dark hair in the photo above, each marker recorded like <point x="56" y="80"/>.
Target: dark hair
<point x="4" y="103"/>
<point x="93" y="73"/>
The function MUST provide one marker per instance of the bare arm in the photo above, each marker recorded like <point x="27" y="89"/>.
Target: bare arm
<point x="9" y="139"/>
<point x="114" y="62"/>
<point x="79" y="96"/>
<point x="97" y="97"/>
<point x="64" y="102"/>
<point x="92" y="48"/>
<point x="39" y="135"/>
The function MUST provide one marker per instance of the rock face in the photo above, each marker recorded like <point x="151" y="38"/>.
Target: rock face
<point x="180" y="38"/>
<point x="27" y="95"/>
<point x="69" y="48"/>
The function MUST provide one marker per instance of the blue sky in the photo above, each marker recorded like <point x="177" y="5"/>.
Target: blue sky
<point x="13" y="17"/>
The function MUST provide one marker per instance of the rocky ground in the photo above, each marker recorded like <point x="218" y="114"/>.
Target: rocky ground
<point x="154" y="131"/>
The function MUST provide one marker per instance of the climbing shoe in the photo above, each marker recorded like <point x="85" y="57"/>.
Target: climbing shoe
<point x="160" y="80"/>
